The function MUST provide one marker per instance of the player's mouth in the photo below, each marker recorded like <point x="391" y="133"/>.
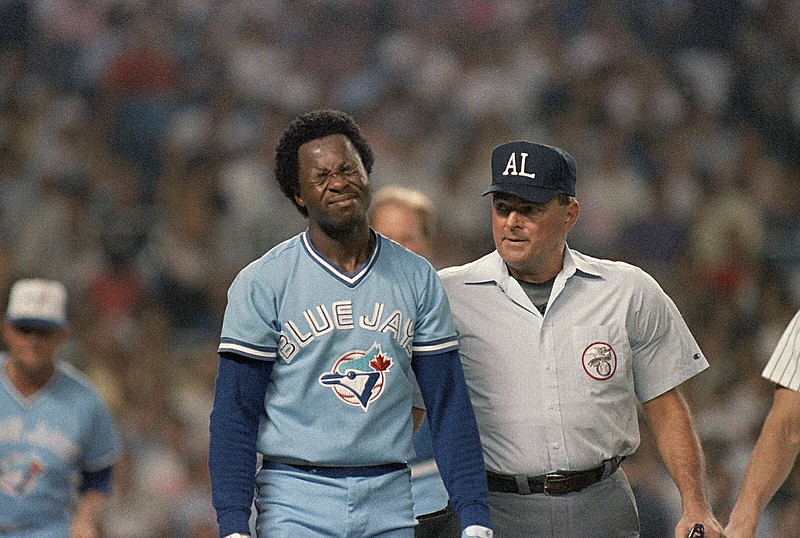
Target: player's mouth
<point x="342" y="199"/>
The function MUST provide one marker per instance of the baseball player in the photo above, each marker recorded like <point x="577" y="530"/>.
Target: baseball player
<point x="58" y="443"/>
<point x="557" y="348"/>
<point x="407" y="217"/>
<point x="320" y="341"/>
<point x="779" y="443"/>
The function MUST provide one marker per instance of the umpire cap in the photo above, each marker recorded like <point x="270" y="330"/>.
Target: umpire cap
<point x="534" y="172"/>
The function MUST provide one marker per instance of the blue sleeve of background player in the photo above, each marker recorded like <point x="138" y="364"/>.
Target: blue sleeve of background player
<point x="99" y="481"/>
<point x="239" y="392"/>
<point x="456" y="442"/>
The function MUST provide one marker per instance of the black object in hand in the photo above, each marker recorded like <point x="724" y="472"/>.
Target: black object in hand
<point x="698" y="531"/>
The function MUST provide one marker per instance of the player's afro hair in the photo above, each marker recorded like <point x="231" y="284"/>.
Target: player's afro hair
<point x="311" y="126"/>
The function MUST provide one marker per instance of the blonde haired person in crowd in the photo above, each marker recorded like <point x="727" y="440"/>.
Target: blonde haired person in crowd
<point x="407" y="216"/>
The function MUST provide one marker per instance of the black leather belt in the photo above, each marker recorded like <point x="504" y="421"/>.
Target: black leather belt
<point x="337" y="472"/>
<point x="555" y="483"/>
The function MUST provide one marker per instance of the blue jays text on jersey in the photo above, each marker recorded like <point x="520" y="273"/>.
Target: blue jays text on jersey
<point x="42" y="435"/>
<point x="339" y="315"/>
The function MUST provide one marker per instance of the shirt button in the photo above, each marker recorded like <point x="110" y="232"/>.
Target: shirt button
<point x="552" y="406"/>
<point x="556" y="445"/>
<point x="547" y="366"/>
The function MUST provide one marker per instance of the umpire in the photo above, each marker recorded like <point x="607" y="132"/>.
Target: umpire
<point x="557" y="348"/>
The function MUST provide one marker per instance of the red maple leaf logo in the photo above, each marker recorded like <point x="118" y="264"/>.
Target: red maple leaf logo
<point x="35" y="467"/>
<point x="380" y="363"/>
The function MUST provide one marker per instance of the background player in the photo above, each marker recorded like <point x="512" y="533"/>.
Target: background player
<point x="407" y="217"/>
<point x="779" y="443"/>
<point x="557" y="349"/>
<point x="318" y="343"/>
<point x="54" y="428"/>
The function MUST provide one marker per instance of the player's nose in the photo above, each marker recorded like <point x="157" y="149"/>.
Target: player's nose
<point x="337" y="181"/>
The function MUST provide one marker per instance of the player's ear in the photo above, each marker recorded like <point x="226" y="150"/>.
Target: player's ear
<point x="299" y="199"/>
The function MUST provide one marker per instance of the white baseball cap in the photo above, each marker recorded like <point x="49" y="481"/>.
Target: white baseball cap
<point x="38" y="303"/>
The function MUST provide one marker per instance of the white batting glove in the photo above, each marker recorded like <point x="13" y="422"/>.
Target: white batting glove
<point x="476" y="531"/>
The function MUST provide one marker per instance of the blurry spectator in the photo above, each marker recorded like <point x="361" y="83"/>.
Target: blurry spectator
<point x="657" y="239"/>
<point x="137" y="92"/>
<point x="16" y="30"/>
<point x="185" y="247"/>
<point x="71" y="31"/>
<point x="54" y="240"/>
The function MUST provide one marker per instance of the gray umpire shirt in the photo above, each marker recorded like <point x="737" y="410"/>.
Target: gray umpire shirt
<point x="559" y="390"/>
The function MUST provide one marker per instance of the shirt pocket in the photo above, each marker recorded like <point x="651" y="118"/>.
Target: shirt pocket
<point x="601" y="359"/>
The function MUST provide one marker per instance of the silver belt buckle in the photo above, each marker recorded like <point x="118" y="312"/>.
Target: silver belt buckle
<point x="555" y="476"/>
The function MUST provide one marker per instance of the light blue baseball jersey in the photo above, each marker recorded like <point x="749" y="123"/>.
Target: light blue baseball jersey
<point x="46" y="441"/>
<point x="340" y="392"/>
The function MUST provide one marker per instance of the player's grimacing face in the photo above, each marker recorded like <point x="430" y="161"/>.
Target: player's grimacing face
<point x="531" y="237"/>
<point x="334" y="185"/>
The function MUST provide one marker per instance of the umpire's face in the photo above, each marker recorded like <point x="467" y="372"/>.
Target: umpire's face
<point x="531" y="237"/>
<point x="334" y="186"/>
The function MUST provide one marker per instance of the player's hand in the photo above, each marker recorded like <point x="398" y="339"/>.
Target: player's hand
<point x="477" y="531"/>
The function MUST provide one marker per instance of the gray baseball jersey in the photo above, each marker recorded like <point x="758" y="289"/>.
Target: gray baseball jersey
<point x="559" y="390"/>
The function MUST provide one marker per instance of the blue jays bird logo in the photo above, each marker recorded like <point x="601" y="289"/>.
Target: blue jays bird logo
<point x="19" y="473"/>
<point x="358" y="377"/>
<point x="599" y="360"/>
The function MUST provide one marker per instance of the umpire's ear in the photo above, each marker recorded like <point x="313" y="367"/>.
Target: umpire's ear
<point x="571" y="214"/>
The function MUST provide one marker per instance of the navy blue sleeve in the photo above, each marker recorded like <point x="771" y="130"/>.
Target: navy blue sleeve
<point x="456" y="442"/>
<point x="239" y="392"/>
<point x="97" y="481"/>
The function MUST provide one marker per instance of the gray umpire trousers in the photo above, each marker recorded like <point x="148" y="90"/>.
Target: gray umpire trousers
<point x="606" y="509"/>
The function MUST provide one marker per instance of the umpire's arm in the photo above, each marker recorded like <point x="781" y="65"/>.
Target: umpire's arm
<point x="679" y="447"/>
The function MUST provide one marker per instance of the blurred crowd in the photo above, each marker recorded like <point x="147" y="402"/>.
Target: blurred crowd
<point x="136" y="148"/>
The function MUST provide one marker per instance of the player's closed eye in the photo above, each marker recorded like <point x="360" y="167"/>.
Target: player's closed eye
<point x="347" y="173"/>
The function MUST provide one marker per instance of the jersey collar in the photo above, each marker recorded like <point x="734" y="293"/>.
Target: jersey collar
<point x="350" y="280"/>
<point x="492" y="268"/>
